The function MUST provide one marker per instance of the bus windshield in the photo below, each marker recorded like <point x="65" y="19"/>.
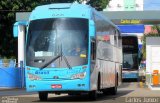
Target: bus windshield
<point x="130" y="61"/>
<point x="47" y="38"/>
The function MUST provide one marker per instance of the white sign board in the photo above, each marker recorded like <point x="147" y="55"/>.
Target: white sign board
<point x="152" y="54"/>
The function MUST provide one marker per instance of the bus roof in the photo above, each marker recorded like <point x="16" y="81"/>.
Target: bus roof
<point x="68" y="10"/>
<point x="61" y="10"/>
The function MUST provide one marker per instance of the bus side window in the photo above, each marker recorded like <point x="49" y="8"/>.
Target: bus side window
<point x="93" y="50"/>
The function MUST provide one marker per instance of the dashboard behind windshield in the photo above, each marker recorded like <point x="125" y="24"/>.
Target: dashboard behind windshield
<point x="47" y="38"/>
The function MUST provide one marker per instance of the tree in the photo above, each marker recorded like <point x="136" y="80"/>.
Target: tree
<point x="156" y="28"/>
<point x="99" y="4"/>
<point x="155" y="32"/>
<point x="8" y="44"/>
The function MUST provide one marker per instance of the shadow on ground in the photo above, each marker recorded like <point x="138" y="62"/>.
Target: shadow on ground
<point x="85" y="98"/>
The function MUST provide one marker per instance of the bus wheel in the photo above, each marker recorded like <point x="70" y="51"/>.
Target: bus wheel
<point x="105" y="91"/>
<point x="93" y="95"/>
<point x="113" y="90"/>
<point x="43" y="96"/>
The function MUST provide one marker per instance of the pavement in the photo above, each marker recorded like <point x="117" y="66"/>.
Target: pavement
<point x="138" y="91"/>
<point x="130" y="86"/>
<point x="128" y="89"/>
<point x="127" y="93"/>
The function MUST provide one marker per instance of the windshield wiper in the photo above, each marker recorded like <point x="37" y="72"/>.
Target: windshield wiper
<point x="55" y="58"/>
<point x="65" y="59"/>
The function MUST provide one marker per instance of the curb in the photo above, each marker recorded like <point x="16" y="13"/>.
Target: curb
<point x="11" y="89"/>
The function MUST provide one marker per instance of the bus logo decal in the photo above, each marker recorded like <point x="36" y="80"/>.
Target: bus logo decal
<point x="42" y="72"/>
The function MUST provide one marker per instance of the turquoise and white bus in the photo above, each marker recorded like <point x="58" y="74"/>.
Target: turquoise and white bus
<point x="131" y="57"/>
<point x="53" y="65"/>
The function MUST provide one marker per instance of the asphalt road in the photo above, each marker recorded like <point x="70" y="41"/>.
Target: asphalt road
<point x="127" y="93"/>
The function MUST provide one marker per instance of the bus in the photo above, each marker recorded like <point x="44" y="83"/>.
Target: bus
<point x="72" y="48"/>
<point x="130" y="57"/>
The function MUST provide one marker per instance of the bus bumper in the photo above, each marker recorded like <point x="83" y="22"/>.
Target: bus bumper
<point x="130" y="75"/>
<point x="53" y="86"/>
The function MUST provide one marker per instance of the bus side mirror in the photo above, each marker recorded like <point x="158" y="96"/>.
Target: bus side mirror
<point x="92" y="29"/>
<point x="15" y="30"/>
<point x="16" y="27"/>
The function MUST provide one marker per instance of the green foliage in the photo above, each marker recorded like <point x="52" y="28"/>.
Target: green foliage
<point x="99" y="4"/>
<point x="151" y="34"/>
<point x="8" y="44"/>
<point x="156" y="28"/>
<point x="63" y="1"/>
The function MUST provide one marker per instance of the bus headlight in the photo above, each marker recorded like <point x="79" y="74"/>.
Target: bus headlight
<point x="79" y="75"/>
<point x="33" y="77"/>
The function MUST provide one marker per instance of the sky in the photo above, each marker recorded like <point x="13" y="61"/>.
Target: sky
<point x="151" y="4"/>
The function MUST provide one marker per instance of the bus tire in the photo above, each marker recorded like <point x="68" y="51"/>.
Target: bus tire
<point x="43" y="96"/>
<point x="113" y="90"/>
<point x="93" y="95"/>
<point x="99" y="82"/>
<point x="73" y="94"/>
<point x="105" y="91"/>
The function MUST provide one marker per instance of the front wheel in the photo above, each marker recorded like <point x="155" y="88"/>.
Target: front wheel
<point x="43" y="96"/>
<point x="93" y="95"/>
<point x="105" y="91"/>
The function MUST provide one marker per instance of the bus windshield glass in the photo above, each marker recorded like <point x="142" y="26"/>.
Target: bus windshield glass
<point x="48" y="38"/>
<point x="130" y="61"/>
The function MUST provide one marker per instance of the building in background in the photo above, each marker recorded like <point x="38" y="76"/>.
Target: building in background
<point x="134" y="5"/>
<point x="125" y="5"/>
<point x="115" y="6"/>
<point x="152" y="43"/>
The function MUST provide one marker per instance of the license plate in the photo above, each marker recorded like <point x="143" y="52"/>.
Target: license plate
<point x="130" y="75"/>
<point x="56" y="86"/>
